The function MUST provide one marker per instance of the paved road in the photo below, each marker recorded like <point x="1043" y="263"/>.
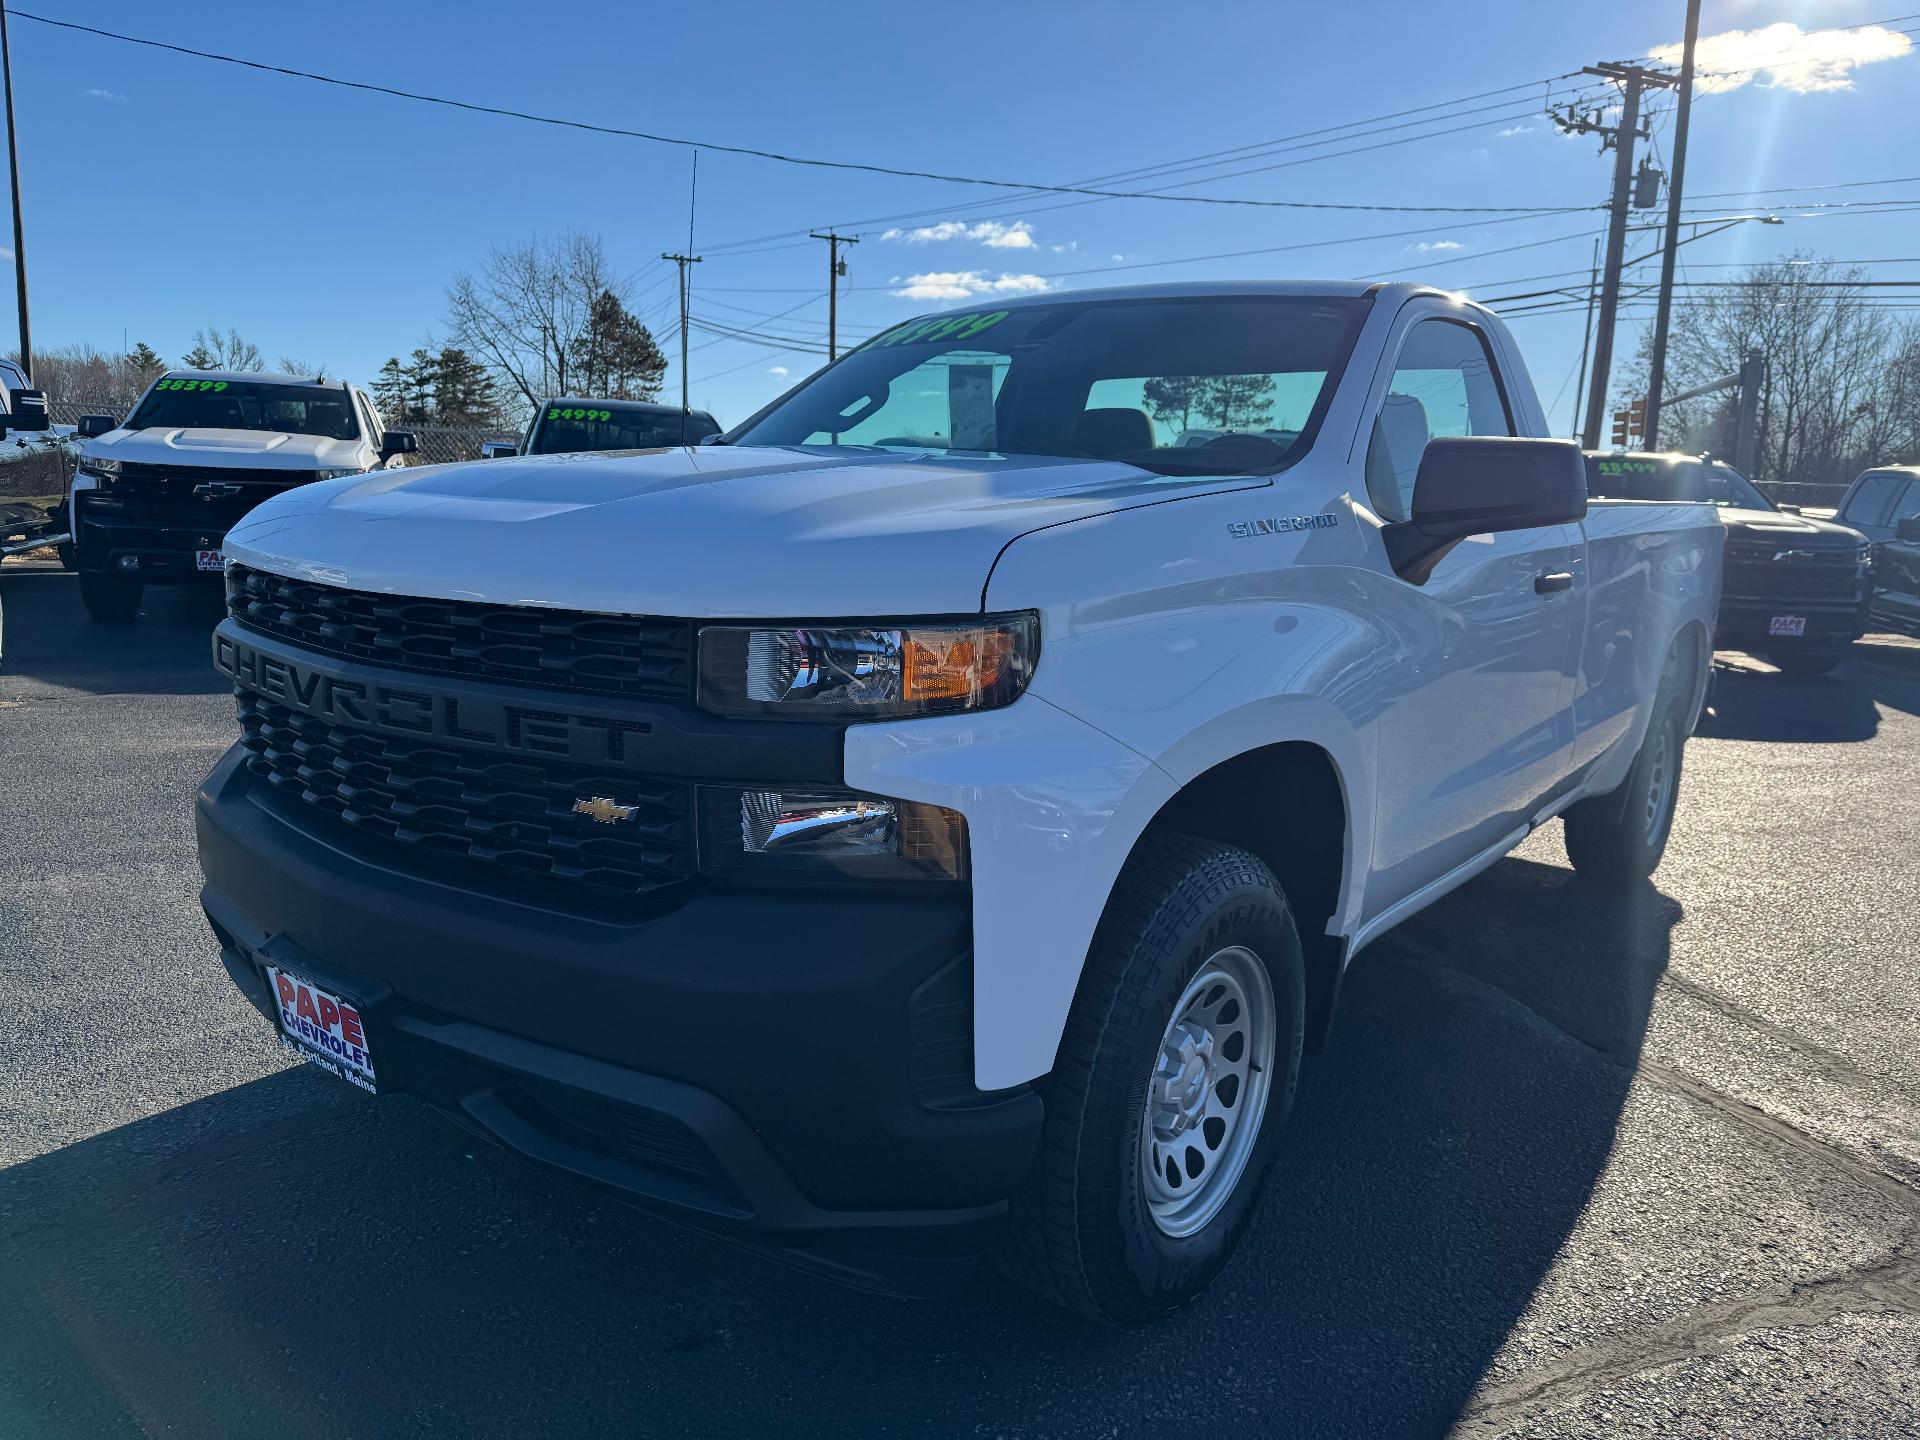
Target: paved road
<point x="1574" y="1165"/>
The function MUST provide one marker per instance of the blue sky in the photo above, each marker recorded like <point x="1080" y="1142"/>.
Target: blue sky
<point x="165" y="193"/>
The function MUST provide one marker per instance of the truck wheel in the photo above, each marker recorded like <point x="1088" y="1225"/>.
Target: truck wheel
<point x="1175" y="1078"/>
<point x="110" y="599"/>
<point x="1806" y="663"/>
<point x="1620" y="838"/>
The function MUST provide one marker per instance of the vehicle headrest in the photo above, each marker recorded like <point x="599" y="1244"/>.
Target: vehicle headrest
<point x="1116" y="430"/>
<point x="1404" y="419"/>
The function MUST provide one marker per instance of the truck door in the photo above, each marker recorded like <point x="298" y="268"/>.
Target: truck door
<point x="1476" y="729"/>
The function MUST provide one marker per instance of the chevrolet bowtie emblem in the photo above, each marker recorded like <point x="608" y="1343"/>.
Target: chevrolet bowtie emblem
<point x="605" y="811"/>
<point x="215" y="490"/>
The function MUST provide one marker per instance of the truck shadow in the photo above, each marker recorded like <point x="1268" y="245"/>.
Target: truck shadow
<point x="290" y="1248"/>
<point x="48" y="638"/>
<point x="1750" y="703"/>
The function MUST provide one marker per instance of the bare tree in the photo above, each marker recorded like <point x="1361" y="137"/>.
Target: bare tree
<point x="81" y="375"/>
<point x="1842" y="381"/>
<point x="213" y="350"/>
<point x="289" y="366"/>
<point x="523" y="314"/>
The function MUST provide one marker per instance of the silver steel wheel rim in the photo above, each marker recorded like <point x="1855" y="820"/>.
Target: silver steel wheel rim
<point x="1207" y="1092"/>
<point x="1659" y="783"/>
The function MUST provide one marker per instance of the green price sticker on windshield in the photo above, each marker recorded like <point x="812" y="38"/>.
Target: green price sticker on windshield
<point x="570" y="413"/>
<point x="940" y="327"/>
<point x="1628" y="467"/>
<point x="191" y="385"/>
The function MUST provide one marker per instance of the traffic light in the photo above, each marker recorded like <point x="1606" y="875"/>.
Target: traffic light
<point x="1637" y="416"/>
<point x="1621" y="421"/>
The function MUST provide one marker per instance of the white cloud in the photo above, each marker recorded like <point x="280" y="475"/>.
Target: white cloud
<point x="1426" y="246"/>
<point x="964" y="284"/>
<point x="98" y="94"/>
<point x="1066" y="249"/>
<point x="1785" y="57"/>
<point x="1517" y="130"/>
<point x="779" y="370"/>
<point x="994" y="234"/>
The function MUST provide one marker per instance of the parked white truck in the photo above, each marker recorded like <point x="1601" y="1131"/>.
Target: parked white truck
<point x="154" y="495"/>
<point x="939" y="815"/>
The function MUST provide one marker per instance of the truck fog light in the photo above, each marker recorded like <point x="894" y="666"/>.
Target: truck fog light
<point x="129" y="562"/>
<point x="770" y="834"/>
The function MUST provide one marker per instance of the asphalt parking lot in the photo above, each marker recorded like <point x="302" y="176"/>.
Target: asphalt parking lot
<point x="1575" y="1164"/>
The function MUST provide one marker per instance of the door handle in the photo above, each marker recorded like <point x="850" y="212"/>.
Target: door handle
<point x="1550" y="584"/>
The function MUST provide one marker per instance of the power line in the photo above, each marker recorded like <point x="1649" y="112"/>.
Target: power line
<point x="755" y="152"/>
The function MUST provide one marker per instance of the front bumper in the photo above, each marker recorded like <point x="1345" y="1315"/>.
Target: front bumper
<point x="164" y="554"/>
<point x="789" y="1068"/>
<point x="1744" y="622"/>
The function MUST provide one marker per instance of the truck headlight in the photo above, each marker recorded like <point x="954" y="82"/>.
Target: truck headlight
<point x="867" y="672"/>
<point x="99" y="468"/>
<point x="337" y="473"/>
<point x="822" y="833"/>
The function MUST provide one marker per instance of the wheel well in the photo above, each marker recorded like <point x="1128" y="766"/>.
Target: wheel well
<point x="1696" y="661"/>
<point x="1285" y="804"/>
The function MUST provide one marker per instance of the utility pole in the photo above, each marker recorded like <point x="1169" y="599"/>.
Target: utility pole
<point x="683" y="261"/>
<point x="1621" y="137"/>
<point x="836" y="268"/>
<point x="1663" y="314"/>
<point x="19" y="225"/>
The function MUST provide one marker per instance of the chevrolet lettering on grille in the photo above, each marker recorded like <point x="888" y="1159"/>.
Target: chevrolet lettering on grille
<point x="472" y="719"/>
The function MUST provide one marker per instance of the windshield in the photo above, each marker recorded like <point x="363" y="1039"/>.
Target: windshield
<point x="609" y="425"/>
<point x="1205" y="386"/>
<point x="246" y="405"/>
<point x="1731" y="490"/>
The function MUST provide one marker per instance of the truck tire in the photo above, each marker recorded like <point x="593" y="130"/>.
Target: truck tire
<point x="1175" y="1077"/>
<point x="1620" y="838"/>
<point x="110" y="599"/>
<point x="1806" y="663"/>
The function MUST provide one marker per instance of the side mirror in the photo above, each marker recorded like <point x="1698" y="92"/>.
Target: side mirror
<point x="1907" y="528"/>
<point x="1476" y="485"/>
<point x="29" y="411"/>
<point x="497" y="449"/>
<point x="1788" y="509"/>
<point x="714" y="439"/>
<point x="398" y="442"/>
<point x="92" y="425"/>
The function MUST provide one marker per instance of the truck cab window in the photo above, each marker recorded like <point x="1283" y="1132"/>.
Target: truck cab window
<point x="1444" y="383"/>
<point x="1872" y="498"/>
<point x="1176" y="386"/>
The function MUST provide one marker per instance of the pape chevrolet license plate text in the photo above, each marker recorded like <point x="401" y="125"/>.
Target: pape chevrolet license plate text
<point x="321" y="1027"/>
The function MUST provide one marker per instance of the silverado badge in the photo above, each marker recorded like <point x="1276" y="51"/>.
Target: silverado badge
<point x="604" y="810"/>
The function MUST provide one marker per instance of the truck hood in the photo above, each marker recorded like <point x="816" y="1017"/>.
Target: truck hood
<point x="1772" y="525"/>
<point x="717" y="532"/>
<point x="243" y="449"/>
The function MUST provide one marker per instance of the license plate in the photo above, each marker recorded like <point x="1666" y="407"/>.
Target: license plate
<point x="319" y="1026"/>
<point x="1787" y="625"/>
<point x="209" y="560"/>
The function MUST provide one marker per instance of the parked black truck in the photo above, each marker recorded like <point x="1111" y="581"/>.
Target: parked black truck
<point x="1796" y="589"/>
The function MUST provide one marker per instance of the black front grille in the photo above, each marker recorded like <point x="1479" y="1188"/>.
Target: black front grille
<point x="627" y="655"/>
<point x="501" y="819"/>
<point x="1800" y="573"/>
<point x="164" y="495"/>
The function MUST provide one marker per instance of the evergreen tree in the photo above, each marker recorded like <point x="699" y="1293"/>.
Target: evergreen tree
<point x="199" y="358"/>
<point x="1172" y="399"/>
<point x="390" y="391"/>
<point x="615" y="355"/>
<point x="1238" y="402"/>
<point x="422" y="376"/>
<point x="463" y="391"/>
<point x="144" y="362"/>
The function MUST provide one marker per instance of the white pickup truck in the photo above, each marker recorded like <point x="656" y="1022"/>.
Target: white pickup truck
<point x="938" y="816"/>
